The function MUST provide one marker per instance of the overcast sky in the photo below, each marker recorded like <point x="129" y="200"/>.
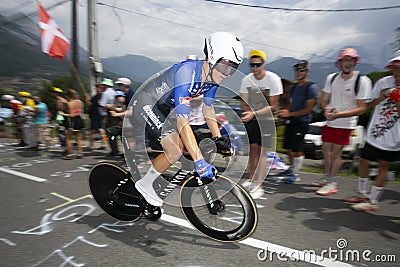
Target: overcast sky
<point x="170" y="30"/>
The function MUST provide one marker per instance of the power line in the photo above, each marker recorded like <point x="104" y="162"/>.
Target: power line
<point x="306" y="9"/>
<point x="148" y="16"/>
<point x="204" y="30"/>
<point x="33" y="13"/>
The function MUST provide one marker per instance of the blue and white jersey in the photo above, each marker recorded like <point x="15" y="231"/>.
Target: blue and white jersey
<point x="177" y="85"/>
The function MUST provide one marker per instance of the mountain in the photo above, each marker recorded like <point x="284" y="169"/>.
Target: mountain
<point x="137" y="68"/>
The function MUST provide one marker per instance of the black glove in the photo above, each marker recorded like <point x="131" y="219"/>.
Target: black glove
<point x="223" y="145"/>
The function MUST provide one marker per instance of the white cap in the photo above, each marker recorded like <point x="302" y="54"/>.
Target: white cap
<point x="191" y="57"/>
<point x="396" y="56"/>
<point x="394" y="61"/>
<point x="7" y="97"/>
<point x="124" y="81"/>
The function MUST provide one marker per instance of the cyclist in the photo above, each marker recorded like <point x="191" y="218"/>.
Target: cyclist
<point x="162" y="108"/>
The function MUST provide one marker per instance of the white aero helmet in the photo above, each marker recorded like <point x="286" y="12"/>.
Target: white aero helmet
<point x="223" y="45"/>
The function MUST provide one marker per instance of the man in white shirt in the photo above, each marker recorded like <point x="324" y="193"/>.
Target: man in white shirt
<point x="343" y="99"/>
<point x="257" y="112"/>
<point x="107" y="99"/>
<point x="383" y="138"/>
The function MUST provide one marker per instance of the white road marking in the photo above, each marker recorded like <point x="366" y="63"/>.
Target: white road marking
<point x="272" y="248"/>
<point x="23" y="175"/>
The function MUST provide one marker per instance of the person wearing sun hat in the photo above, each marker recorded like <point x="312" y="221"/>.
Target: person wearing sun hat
<point x="382" y="139"/>
<point x="107" y="99"/>
<point x="343" y="101"/>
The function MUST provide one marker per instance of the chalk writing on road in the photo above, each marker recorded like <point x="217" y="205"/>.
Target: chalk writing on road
<point x="68" y="173"/>
<point x="68" y="213"/>
<point x="64" y="173"/>
<point x="69" y="259"/>
<point x="49" y="218"/>
<point x="21" y="165"/>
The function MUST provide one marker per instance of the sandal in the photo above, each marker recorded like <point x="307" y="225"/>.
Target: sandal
<point x="67" y="158"/>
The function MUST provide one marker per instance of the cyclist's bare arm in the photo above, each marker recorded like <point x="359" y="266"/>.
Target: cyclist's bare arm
<point x="188" y="138"/>
<point x="209" y="115"/>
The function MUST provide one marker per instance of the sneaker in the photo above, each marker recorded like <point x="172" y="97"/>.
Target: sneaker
<point x="364" y="206"/>
<point x="147" y="191"/>
<point x="357" y="198"/>
<point x="327" y="190"/>
<point x="257" y="192"/>
<point x="287" y="172"/>
<point x="247" y="184"/>
<point x="320" y="183"/>
<point x="292" y="179"/>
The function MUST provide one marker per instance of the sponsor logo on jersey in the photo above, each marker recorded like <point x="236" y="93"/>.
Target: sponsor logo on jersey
<point x="162" y="89"/>
<point x="185" y="101"/>
<point x="150" y="116"/>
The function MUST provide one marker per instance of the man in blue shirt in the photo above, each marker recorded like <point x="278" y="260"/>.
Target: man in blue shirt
<point x="302" y="99"/>
<point x="162" y="107"/>
<point x="41" y="123"/>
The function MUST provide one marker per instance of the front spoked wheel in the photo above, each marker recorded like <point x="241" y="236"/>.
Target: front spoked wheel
<point x="223" y="210"/>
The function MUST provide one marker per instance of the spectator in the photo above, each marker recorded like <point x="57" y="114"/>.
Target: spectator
<point x="60" y="107"/>
<point x="96" y="120"/>
<point x="41" y="123"/>
<point x="302" y="99"/>
<point x="107" y="99"/>
<point x="343" y="100"/>
<point x="124" y="85"/>
<point x="15" y="106"/>
<point x="382" y="141"/>
<point x="74" y="123"/>
<point x="6" y="113"/>
<point x="23" y="110"/>
<point x="255" y="115"/>
<point x="26" y="115"/>
<point x="116" y="116"/>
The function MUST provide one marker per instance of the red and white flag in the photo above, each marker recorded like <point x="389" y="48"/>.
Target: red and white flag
<point x="54" y="42"/>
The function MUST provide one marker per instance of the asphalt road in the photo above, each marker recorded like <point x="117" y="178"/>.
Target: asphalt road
<point x="49" y="219"/>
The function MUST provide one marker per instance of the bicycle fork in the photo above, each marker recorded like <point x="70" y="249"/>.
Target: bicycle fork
<point x="210" y="197"/>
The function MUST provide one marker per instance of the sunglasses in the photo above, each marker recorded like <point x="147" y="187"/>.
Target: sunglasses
<point x="300" y="69"/>
<point x="255" y="65"/>
<point x="226" y="67"/>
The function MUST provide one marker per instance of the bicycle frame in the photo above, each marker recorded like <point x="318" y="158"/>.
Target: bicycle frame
<point x="183" y="173"/>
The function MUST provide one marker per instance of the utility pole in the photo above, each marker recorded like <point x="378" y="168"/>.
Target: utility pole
<point x="75" y="83"/>
<point x="95" y="67"/>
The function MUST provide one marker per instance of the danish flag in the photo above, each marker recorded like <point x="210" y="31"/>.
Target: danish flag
<point x="54" y="42"/>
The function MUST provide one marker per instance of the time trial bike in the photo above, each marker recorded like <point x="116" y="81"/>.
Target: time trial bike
<point x="222" y="209"/>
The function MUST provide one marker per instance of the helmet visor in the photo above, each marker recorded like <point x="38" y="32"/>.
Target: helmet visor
<point x="226" y="67"/>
